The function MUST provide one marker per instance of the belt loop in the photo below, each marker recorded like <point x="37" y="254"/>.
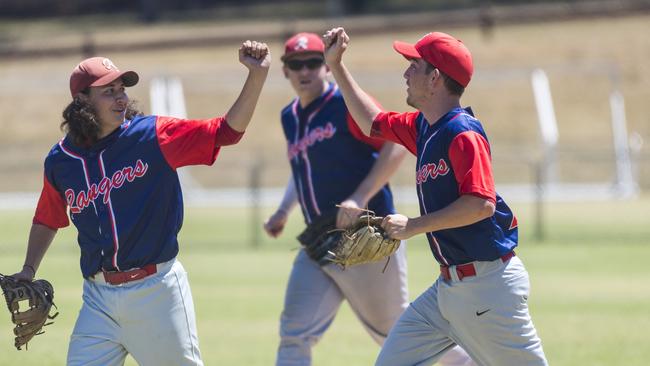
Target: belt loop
<point x="444" y="271"/>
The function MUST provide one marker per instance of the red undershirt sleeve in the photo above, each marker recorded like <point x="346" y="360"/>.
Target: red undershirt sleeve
<point x="469" y="155"/>
<point x="51" y="210"/>
<point x="193" y="142"/>
<point x="397" y="127"/>
<point x="226" y="135"/>
<point x="356" y="132"/>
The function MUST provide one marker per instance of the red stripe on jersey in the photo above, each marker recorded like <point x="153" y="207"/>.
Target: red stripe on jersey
<point x="513" y="224"/>
<point x="111" y="216"/>
<point x="469" y="154"/>
<point x="51" y="208"/>
<point x="192" y="142"/>
<point x="397" y="127"/>
<point x="356" y="132"/>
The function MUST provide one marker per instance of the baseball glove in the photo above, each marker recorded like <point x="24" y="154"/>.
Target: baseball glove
<point x="320" y="237"/>
<point x="364" y="242"/>
<point x="38" y="296"/>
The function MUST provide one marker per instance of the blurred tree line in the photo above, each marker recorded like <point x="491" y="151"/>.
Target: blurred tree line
<point x="153" y="10"/>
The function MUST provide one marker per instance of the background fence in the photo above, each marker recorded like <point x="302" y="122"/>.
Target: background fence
<point x="584" y="65"/>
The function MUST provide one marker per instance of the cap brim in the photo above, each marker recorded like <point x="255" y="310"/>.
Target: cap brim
<point x="129" y="78"/>
<point x="406" y="49"/>
<point x="287" y="56"/>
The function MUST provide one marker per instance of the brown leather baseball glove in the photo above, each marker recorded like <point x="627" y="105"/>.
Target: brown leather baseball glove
<point x="38" y="297"/>
<point x="364" y="242"/>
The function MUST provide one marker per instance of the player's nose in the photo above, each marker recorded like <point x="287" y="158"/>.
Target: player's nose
<point x="121" y="97"/>
<point x="121" y="101"/>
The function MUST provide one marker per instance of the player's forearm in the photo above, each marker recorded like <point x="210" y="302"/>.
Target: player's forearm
<point x="389" y="159"/>
<point x="290" y="198"/>
<point x="362" y="108"/>
<point x="241" y="112"/>
<point x="466" y="210"/>
<point x="40" y="238"/>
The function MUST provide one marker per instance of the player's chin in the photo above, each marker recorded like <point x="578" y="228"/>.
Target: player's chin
<point x="307" y="89"/>
<point x="410" y="102"/>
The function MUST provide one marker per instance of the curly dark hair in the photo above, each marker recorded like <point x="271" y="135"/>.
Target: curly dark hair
<point x="81" y="123"/>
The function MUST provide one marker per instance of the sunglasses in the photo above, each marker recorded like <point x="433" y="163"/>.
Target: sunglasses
<point x="311" y="63"/>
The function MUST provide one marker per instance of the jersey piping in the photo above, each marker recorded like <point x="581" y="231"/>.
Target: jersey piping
<point x="305" y="155"/>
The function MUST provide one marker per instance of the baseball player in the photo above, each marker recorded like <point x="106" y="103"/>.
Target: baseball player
<point x="115" y="174"/>
<point x="332" y="164"/>
<point x="480" y="299"/>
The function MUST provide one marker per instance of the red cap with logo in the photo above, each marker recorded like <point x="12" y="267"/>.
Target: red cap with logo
<point x="98" y="71"/>
<point x="443" y="52"/>
<point x="302" y="43"/>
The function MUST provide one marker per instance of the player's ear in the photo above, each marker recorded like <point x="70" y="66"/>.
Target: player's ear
<point x="285" y="72"/>
<point x="434" y="77"/>
<point x="84" y="97"/>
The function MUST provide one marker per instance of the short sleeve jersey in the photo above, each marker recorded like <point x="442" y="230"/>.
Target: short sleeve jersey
<point x="122" y="193"/>
<point x="329" y="155"/>
<point x="453" y="159"/>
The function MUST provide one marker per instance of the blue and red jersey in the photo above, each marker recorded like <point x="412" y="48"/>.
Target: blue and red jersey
<point x="329" y="155"/>
<point x="453" y="159"/>
<point x="122" y="193"/>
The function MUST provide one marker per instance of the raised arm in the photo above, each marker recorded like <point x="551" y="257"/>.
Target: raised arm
<point x="361" y="106"/>
<point x="389" y="159"/>
<point x="256" y="57"/>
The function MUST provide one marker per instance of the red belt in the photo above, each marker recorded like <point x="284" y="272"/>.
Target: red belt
<point x="118" y="278"/>
<point x="468" y="269"/>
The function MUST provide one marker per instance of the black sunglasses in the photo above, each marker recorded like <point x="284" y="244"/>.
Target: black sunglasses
<point x="311" y="63"/>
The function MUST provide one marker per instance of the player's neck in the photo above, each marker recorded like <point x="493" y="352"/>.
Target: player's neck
<point x="438" y="107"/>
<point x="107" y="129"/>
<point x="305" y="98"/>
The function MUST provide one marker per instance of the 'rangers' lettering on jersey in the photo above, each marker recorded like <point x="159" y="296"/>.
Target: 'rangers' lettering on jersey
<point x="318" y="134"/>
<point x="104" y="187"/>
<point x="431" y="171"/>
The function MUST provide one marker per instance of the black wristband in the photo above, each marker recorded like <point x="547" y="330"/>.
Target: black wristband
<point x="30" y="267"/>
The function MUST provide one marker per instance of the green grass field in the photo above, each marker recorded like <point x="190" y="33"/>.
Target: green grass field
<point x="590" y="295"/>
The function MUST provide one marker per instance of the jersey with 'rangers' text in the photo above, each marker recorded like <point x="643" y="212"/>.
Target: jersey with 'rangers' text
<point x="329" y="155"/>
<point x="453" y="159"/>
<point x="122" y="193"/>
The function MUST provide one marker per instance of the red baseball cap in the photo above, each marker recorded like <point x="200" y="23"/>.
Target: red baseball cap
<point x="98" y="71"/>
<point x="302" y="43"/>
<point x="443" y="52"/>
